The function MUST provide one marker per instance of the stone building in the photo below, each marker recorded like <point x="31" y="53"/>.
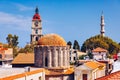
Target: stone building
<point x="6" y="56"/>
<point x="90" y="70"/>
<point x="51" y="52"/>
<point x="99" y="53"/>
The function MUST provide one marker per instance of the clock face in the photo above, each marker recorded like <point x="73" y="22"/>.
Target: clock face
<point x="36" y="23"/>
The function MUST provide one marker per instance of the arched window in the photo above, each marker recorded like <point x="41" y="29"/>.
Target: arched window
<point x="36" y="39"/>
<point x="46" y="62"/>
<point x="0" y="56"/>
<point x="36" y="31"/>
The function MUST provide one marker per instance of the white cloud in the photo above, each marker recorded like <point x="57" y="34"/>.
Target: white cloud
<point x="22" y="7"/>
<point x="15" y="21"/>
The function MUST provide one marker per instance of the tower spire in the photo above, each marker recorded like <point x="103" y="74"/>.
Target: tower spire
<point x="102" y="24"/>
<point x="36" y="10"/>
<point x="36" y="27"/>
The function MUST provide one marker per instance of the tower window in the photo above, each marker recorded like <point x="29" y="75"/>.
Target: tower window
<point x="36" y="31"/>
<point x="36" y="38"/>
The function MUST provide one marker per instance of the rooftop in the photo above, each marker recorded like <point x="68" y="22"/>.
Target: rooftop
<point x="94" y="64"/>
<point x="23" y="58"/>
<point x="52" y="40"/>
<point x="99" y="50"/>
<point x="116" y="66"/>
<point x="113" y="76"/>
<point x="7" y="72"/>
<point x="61" y="71"/>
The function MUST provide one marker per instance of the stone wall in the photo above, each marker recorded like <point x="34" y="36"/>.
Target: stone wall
<point x="51" y="56"/>
<point x="60" y="77"/>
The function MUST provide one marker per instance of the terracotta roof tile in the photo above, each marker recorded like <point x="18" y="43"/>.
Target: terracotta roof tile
<point x="94" y="65"/>
<point x="22" y="75"/>
<point x="112" y="76"/>
<point x="52" y="40"/>
<point x="53" y="72"/>
<point x="99" y="50"/>
<point x="23" y="58"/>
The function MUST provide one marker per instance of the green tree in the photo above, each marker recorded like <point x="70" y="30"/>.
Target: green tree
<point x="15" y="40"/>
<point x="90" y="54"/>
<point x="76" y="45"/>
<point x="29" y="48"/>
<point x="82" y="56"/>
<point x="12" y="43"/>
<point x="101" y="41"/>
<point x="12" y="40"/>
<point x="9" y="40"/>
<point x="69" y="43"/>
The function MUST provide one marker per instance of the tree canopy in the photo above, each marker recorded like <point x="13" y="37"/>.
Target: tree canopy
<point x="29" y="48"/>
<point x="76" y="45"/>
<point x="12" y="40"/>
<point x="101" y="41"/>
<point x="69" y="43"/>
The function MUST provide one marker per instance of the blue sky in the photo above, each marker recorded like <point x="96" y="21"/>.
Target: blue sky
<point x="72" y="19"/>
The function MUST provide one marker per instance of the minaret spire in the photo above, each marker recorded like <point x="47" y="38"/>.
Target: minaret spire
<point x="102" y="24"/>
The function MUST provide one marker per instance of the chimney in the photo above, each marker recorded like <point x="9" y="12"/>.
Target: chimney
<point x="27" y="69"/>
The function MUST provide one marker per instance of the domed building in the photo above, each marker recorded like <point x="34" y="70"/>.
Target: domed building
<point x="52" y="52"/>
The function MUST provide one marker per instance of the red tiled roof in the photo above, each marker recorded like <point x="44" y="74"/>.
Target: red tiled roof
<point x="13" y="77"/>
<point x="94" y="65"/>
<point x="99" y="50"/>
<point x="112" y="76"/>
<point x="24" y="58"/>
<point x="36" y="17"/>
<point x="59" y="72"/>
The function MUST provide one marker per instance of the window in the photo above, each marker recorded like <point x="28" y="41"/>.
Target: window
<point x="99" y="53"/>
<point x="84" y="77"/>
<point x="0" y="56"/>
<point x="36" y="38"/>
<point x="74" y="58"/>
<point x="109" y="66"/>
<point x="46" y="62"/>
<point x="36" y="31"/>
<point x="40" y="78"/>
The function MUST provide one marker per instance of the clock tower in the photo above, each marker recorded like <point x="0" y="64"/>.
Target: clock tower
<point x="36" y="26"/>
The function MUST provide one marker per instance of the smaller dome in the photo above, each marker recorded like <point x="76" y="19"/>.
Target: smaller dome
<point x="52" y="40"/>
<point x="36" y="17"/>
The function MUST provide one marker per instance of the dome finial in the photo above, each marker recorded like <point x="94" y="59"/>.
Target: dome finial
<point x="36" y="10"/>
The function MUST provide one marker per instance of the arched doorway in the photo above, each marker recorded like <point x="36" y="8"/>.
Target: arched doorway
<point x="36" y="39"/>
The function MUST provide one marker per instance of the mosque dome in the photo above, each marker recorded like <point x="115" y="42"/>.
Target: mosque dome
<point x="52" y="40"/>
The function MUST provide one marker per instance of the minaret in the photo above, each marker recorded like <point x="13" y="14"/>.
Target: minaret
<point x="102" y="25"/>
<point x="36" y="26"/>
